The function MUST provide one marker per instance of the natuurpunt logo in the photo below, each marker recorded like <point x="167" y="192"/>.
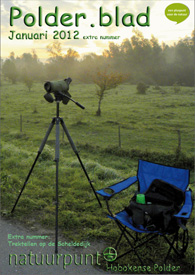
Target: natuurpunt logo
<point x="109" y="254"/>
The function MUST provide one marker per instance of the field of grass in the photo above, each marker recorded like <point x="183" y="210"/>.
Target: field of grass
<point x="148" y="122"/>
<point x="149" y="126"/>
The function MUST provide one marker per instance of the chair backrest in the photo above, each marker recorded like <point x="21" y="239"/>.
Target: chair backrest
<point x="148" y="171"/>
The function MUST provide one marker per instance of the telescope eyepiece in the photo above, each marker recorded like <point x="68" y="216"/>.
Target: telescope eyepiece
<point x="49" y="97"/>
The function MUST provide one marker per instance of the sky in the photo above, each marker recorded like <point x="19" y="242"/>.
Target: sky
<point x="81" y="38"/>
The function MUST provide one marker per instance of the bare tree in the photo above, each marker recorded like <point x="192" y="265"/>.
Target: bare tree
<point x="105" y="81"/>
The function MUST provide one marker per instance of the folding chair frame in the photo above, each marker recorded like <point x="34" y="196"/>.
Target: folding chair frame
<point x="137" y="242"/>
<point x="125" y="232"/>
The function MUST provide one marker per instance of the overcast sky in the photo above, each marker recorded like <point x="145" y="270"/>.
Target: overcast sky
<point x="162" y="28"/>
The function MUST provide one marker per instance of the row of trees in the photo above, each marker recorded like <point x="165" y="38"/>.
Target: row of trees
<point x="135" y="60"/>
<point x="138" y="58"/>
<point x="148" y="61"/>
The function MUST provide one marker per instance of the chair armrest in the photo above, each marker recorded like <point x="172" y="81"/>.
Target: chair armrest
<point x="110" y="191"/>
<point x="187" y="207"/>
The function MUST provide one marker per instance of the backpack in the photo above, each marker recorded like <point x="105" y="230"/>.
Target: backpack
<point x="162" y="201"/>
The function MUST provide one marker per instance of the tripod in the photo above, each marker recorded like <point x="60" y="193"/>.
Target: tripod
<point x="57" y="121"/>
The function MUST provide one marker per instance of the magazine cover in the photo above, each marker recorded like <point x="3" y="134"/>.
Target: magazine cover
<point x="97" y="137"/>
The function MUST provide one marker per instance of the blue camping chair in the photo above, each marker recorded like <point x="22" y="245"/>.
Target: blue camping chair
<point x="147" y="172"/>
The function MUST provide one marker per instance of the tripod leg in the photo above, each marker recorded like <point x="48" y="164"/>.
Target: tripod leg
<point x="57" y="157"/>
<point x="38" y="154"/>
<point x="77" y="154"/>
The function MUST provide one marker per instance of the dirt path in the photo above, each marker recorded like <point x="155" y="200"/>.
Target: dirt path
<point x="36" y="256"/>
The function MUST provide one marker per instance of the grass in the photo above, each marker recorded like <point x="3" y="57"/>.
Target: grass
<point x="149" y="127"/>
<point x="148" y="121"/>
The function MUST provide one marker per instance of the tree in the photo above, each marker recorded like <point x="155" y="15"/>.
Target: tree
<point x="30" y="68"/>
<point x="105" y="81"/>
<point x="9" y="70"/>
<point x="141" y="88"/>
<point x="70" y="63"/>
<point x="27" y="79"/>
<point x="61" y="65"/>
<point x="55" y="50"/>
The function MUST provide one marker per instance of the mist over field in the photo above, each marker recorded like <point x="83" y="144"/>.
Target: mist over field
<point x="138" y="59"/>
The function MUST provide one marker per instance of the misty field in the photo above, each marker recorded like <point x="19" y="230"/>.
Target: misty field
<point x="157" y="126"/>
